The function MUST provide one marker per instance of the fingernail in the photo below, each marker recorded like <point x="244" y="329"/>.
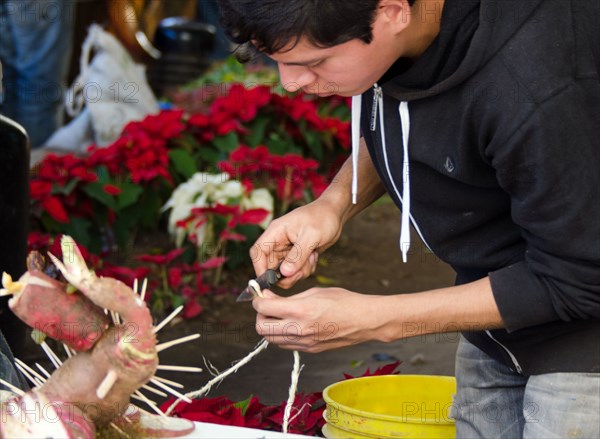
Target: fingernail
<point x="287" y="269"/>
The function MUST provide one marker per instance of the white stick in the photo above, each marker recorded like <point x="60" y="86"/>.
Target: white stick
<point x="292" y="392"/>
<point x="30" y="369"/>
<point x="36" y="382"/>
<point x="67" y="350"/>
<point x="12" y="387"/>
<point x="109" y="380"/>
<point x="170" y="390"/>
<point x="151" y="404"/>
<point x="179" y="368"/>
<point x="44" y="371"/>
<point x="144" y="286"/>
<point x="135" y="285"/>
<point x="153" y="390"/>
<point x="51" y="355"/>
<point x="261" y="347"/>
<point x="121" y="432"/>
<point x="168" y="344"/>
<point x="168" y="319"/>
<point x="169" y="382"/>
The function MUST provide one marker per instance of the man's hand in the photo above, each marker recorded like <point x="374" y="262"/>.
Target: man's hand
<point x="326" y="318"/>
<point x="318" y="319"/>
<point x="297" y="239"/>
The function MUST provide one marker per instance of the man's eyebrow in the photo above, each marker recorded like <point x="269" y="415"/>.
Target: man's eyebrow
<point x="303" y="63"/>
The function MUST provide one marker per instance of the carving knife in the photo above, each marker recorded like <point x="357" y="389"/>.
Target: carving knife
<point x="265" y="280"/>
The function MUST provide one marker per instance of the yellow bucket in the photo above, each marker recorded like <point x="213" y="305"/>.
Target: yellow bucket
<point x="390" y="406"/>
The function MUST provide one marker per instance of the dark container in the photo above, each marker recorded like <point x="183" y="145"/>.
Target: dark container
<point x="185" y="46"/>
<point x="14" y="214"/>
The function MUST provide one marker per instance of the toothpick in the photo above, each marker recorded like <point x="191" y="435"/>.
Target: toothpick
<point x="67" y="350"/>
<point x="169" y="382"/>
<point x="168" y="344"/>
<point x="153" y="390"/>
<point x="109" y="380"/>
<point x="51" y="355"/>
<point x="113" y="425"/>
<point x="36" y="383"/>
<point x="135" y="285"/>
<point x="12" y="387"/>
<point x="170" y="390"/>
<point x="44" y="371"/>
<point x="179" y="368"/>
<point x="151" y="404"/>
<point x="168" y="319"/>
<point x="30" y="370"/>
<point x="144" y="286"/>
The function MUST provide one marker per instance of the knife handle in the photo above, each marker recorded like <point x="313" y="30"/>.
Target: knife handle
<point x="269" y="278"/>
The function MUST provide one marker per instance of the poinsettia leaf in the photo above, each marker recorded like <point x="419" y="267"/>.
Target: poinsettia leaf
<point x="243" y="405"/>
<point x="65" y="189"/>
<point x="183" y="162"/>
<point x="253" y="216"/>
<point x="257" y="131"/>
<point x="131" y="192"/>
<point x="103" y="174"/>
<point x="97" y="192"/>
<point x="228" y="142"/>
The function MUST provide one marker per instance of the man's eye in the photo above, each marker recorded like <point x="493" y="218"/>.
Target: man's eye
<point x="313" y="65"/>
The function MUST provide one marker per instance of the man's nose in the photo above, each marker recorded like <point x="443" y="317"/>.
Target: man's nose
<point x="293" y="78"/>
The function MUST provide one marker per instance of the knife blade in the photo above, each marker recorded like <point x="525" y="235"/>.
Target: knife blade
<point x="265" y="280"/>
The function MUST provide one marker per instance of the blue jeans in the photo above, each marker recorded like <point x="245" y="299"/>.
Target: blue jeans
<point x="35" y="50"/>
<point x="8" y="372"/>
<point x="493" y="401"/>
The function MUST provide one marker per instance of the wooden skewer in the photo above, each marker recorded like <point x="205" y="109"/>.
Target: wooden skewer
<point x="168" y="344"/>
<point x="140" y="396"/>
<point x="169" y="382"/>
<point x="51" y="355"/>
<point x="144" y="286"/>
<point x="30" y="370"/>
<point x="67" y="350"/>
<point x="44" y="371"/>
<point x="168" y="319"/>
<point x="135" y="285"/>
<point x="179" y="368"/>
<point x="109" y="380"/>
<point x="170" y="390"/>
<point x="153" y="390"/>
<point x="12" y="387"/>
<point x="36" y="382"/>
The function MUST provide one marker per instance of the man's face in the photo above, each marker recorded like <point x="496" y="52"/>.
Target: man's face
<point x="347" y="69"/>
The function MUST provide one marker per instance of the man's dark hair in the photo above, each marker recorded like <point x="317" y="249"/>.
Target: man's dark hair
<point x="272" y="25"/>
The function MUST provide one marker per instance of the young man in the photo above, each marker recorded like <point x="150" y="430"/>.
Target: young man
<point x="481" y="119"/>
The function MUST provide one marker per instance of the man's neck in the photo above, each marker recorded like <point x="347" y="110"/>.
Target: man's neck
<point x="426" y="17"/>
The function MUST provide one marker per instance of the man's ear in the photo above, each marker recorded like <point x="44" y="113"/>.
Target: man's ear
<point x="396" y="14"/>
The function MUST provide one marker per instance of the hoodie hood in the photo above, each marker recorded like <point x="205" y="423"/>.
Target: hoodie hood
<point x="471" y="33"/>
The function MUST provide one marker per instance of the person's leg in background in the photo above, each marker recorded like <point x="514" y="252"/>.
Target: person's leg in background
<point x="35" y="51"/>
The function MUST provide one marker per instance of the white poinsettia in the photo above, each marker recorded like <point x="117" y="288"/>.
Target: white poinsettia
<point x="205" y="190"/>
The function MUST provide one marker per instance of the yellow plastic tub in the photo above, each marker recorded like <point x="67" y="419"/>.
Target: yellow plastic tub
<point x="390" y="406"/>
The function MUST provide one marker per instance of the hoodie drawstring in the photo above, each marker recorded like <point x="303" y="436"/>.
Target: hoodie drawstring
<point x="377" y="110"/>
<point x="356" y="110"/>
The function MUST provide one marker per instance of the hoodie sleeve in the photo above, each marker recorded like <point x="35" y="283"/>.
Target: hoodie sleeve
<point x="550" y="166"/>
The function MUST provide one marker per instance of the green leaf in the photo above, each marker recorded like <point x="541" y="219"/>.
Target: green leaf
<point x="66" y="189"/>
<point x="131" y="192"/>
<point x="96" y="191"/>
<point x="257" y="131"/>
<point x="176" y="300"/>
<point x="210" y="156"/>
<point x="103" y="174"/>
<point x="183" y="162"/>
<point x="227" y="143"/>
<point x="243" y="405"/>
<point x="80" y="229"/>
